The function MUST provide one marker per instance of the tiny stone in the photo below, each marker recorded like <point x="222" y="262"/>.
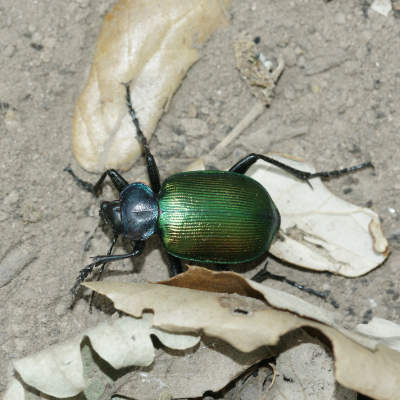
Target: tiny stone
<point x="194" y="127"/>
<point x="382" y="7"/>
<point x="315" y="88"/>
<point x="298" y="51"/>
<point x="347" y="190"/>
<point x="192" y="111"/>
<point x="49" y="43"/>
<point x="9" y="118"/>
<point x="289" y="56"/>
<point x="83" y="3"/>
<point x="14" y="261"/>
<point x="301" y="62"/>
<point x="9" y="51"/>
<point x="30" y="214"/>
<point x="289" y="93"/>
<point x="93" y="211"/>
<point x="340" y="19"/>
<point x="37" y="37"/>
<point x="11" y="198"/>
<point x="3" y="216"/>
<point x="60" y="309"/>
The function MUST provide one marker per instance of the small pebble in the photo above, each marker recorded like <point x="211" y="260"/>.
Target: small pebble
<point x="382" y="7"/>
<point x="14" y="261"/>
<point x="30" y="214"/>
<point x="340" y="19"/>
<point x="11" y="199"/>
<point x="194" y="127"/>
<point x="9" y="51"/>
<point x="301" y="62"/>
<point x="289" y="56"/>
<point x="3" y="216"/>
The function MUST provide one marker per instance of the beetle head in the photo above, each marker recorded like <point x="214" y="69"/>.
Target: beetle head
<point x="110" y="211"/>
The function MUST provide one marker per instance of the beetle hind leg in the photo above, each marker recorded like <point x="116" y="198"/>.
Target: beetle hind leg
<point x="245" y="163"/>
<point x="174" y="265"/>
<point x="264" y="274"/>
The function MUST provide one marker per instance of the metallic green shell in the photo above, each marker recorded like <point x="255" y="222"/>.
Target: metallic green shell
<point x="216" y="217"/>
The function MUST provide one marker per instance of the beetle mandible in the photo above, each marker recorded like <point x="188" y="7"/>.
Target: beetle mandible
<point x="221" y="217"/>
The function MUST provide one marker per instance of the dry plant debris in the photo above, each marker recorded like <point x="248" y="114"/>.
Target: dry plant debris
<point x="154" y="61"/>
<point x="256" y="69"/>
<point x="222" y="305"/>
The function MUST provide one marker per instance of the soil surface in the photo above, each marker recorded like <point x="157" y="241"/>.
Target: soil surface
<point x="335" y="106"/>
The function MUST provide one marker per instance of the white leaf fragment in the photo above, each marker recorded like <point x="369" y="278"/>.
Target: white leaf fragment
<point x="319" y="230"/>
<point x="386" y="332"/>
<point x="58" y="370"/>
<point x="382" y="7"/>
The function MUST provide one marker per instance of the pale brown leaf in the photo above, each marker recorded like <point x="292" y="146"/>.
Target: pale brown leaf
<point x="151" y="44"/>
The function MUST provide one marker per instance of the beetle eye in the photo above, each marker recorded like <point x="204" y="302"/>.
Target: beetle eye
<point x="110" y="211"/>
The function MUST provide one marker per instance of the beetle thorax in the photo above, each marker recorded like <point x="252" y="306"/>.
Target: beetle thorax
<point x="139" y="211"/>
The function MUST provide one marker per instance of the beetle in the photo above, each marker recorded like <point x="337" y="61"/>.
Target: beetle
<point x="219" y="217"/>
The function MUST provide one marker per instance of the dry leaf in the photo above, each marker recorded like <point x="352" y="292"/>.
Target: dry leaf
<point x="361" y="363"/>
<point x="386" y="332"/>
<point x="155" y="61"/>
<point x="253" y="317"/>
<point x="319" y="230"/>
<point x="306" y="371"/>
<point x="58" y="370"/>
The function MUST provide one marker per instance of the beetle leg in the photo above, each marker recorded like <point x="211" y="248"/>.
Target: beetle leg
<point x="264" y="274"/>
<point x="118" y="181"/>
<point x="101" y="270"/>
<point x="174" y="265"/>
<point x="152" y="168"/>
<point x="138" y="249"/>
<point x="245" y="163"/>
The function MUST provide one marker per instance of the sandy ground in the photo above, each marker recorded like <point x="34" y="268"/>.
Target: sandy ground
<point x="338" y="96"/>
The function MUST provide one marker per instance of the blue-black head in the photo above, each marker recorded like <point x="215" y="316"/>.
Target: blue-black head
<point x="135" y="214"/>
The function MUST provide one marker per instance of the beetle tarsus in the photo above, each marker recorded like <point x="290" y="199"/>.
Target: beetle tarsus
<point x="245" y="163"/>
<point x="89" y="187"/>
<point x="264" y="274"/>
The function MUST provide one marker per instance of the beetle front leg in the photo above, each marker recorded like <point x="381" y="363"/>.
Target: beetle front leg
<point x="152" y="168"/>
<point x="118" y="181"/>
<point x="99" y="260"/>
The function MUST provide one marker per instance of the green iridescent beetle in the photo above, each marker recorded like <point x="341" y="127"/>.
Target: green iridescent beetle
<point x="221" y="217"/>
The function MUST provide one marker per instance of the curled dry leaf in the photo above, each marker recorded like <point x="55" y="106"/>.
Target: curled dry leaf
<point x="58" y="370"/>
<point x="361" y="363"/>
<point x="319" y="230"/>
<point x="155" y="61"/>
